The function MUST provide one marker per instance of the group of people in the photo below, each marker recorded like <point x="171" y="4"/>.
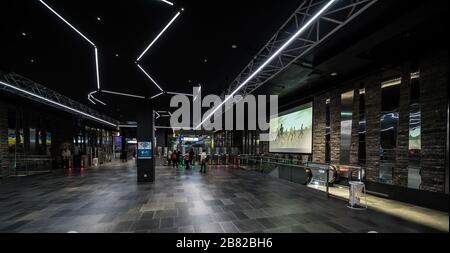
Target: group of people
<point x="176" y="157"/>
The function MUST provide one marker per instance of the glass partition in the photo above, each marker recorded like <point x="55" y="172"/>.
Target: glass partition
<point x="362" y="128"/>
<point x="390" y="96"/>
<point x="414" y="150"/>
<point x="346" y="126"/>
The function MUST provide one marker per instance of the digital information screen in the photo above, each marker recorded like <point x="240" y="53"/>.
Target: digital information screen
<point x="291" y="132"/>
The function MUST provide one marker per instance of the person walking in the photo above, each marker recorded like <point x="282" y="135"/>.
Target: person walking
<point x="180" y="158"/>
<point x="66" y="154"/>
<point x="191" y="157"/>
<point x="203" y="162"/>
<point x="174" y="159"/>
<point x="186" y="161"/>
<point x="169" y="157"/>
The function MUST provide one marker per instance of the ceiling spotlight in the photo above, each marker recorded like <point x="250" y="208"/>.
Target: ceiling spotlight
<point x="234" y="46"/>
<point x="32" y="60"/>
<point x="24" y="34"/>
<point x="334" y="74"/>
<point x="206" y="60"/>
<point x="117" y="55"/>
<point x="182" y="9"/>
<point x="99" y="19"/>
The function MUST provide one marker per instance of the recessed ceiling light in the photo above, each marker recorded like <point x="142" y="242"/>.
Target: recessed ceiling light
<point x="234" y="46"/>
<point x="24" y="34"/>
<point x="117" y="55"/>
<point x="99" y="19"/>
<point x="334" y="74"/>
<point x="31" y="60"/>
<point x="206" y="60"/>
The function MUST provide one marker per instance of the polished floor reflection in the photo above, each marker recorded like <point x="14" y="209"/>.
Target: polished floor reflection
<point x="108" y="199"/>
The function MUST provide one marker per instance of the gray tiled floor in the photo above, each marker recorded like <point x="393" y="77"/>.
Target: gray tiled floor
<point x="108" y="199"/>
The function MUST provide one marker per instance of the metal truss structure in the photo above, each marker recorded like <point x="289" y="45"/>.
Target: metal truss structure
<point x="19" y="85"/>
<point x="331" y="21"/>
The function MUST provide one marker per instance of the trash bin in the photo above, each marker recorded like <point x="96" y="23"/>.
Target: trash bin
<point x="357" y="193"/>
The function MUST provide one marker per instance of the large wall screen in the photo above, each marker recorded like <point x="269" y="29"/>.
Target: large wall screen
<point x="291" y="132"/>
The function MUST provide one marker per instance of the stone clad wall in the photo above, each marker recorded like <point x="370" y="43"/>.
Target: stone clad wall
<point x="4" y="164"/>
<point x="433" y="101"/>
<point x="433" y="106"/>
<point x="335" y="125"/>
<point x="319" y="124"/>
<point x="402" y="159"/>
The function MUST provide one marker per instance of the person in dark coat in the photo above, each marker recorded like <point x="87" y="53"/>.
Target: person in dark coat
<point x="174" y="159"/>
<point x="191" y="156"/>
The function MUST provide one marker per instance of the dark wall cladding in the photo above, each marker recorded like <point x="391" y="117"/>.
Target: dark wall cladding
<point x="434" y="106"/>
<point x="433" y="69"/>
<point x="4" y="164"/>
<point x="319" y="124"/>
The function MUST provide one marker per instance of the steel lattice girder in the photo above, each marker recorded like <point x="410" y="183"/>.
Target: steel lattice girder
<point x="30" y="86"/>
<point x="337" y="16"/>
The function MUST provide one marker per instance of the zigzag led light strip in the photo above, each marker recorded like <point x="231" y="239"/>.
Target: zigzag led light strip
<point x="123" y="94"/>
<point x="84" y="37"/>
<point x="149" y="77"/>
<point x="91" y="96"/>
<point x="157" y="37"/>
<point x="150" y="45"/>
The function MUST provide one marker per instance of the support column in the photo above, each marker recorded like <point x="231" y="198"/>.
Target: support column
<point x="373" y="112"/>
<point x="433" y="107"/>
<point x="145" y="133"/>
<point x="402" y="158"/>
<point x="319" y="122"/>
<point x="335" y="120"/>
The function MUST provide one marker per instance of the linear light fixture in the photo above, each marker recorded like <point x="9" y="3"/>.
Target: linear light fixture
<point x="82" y="35"/>
<point x="122" y="94"/>
<point x="96" y="68"/>
<point x="145" y="72"/>
<point x="159" y="35"/>
<point x="127" y="126"/>
<point x="392" y="82"/>
<point x="287" y="43"/>
<point x="167" y="2"/>
<point x="89" y="98"/>
<point x="98" y="100"/>
<point x="58" y="104"/>
<point x="65" y="21"/>
<point x="157" y="95"/>
<point x="178" y="93"/>
<point x="157" y="127"/>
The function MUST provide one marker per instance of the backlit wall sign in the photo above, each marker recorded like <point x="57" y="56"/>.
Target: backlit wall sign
<point x="293" y="131"/>
<point x="190" y="139"/>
